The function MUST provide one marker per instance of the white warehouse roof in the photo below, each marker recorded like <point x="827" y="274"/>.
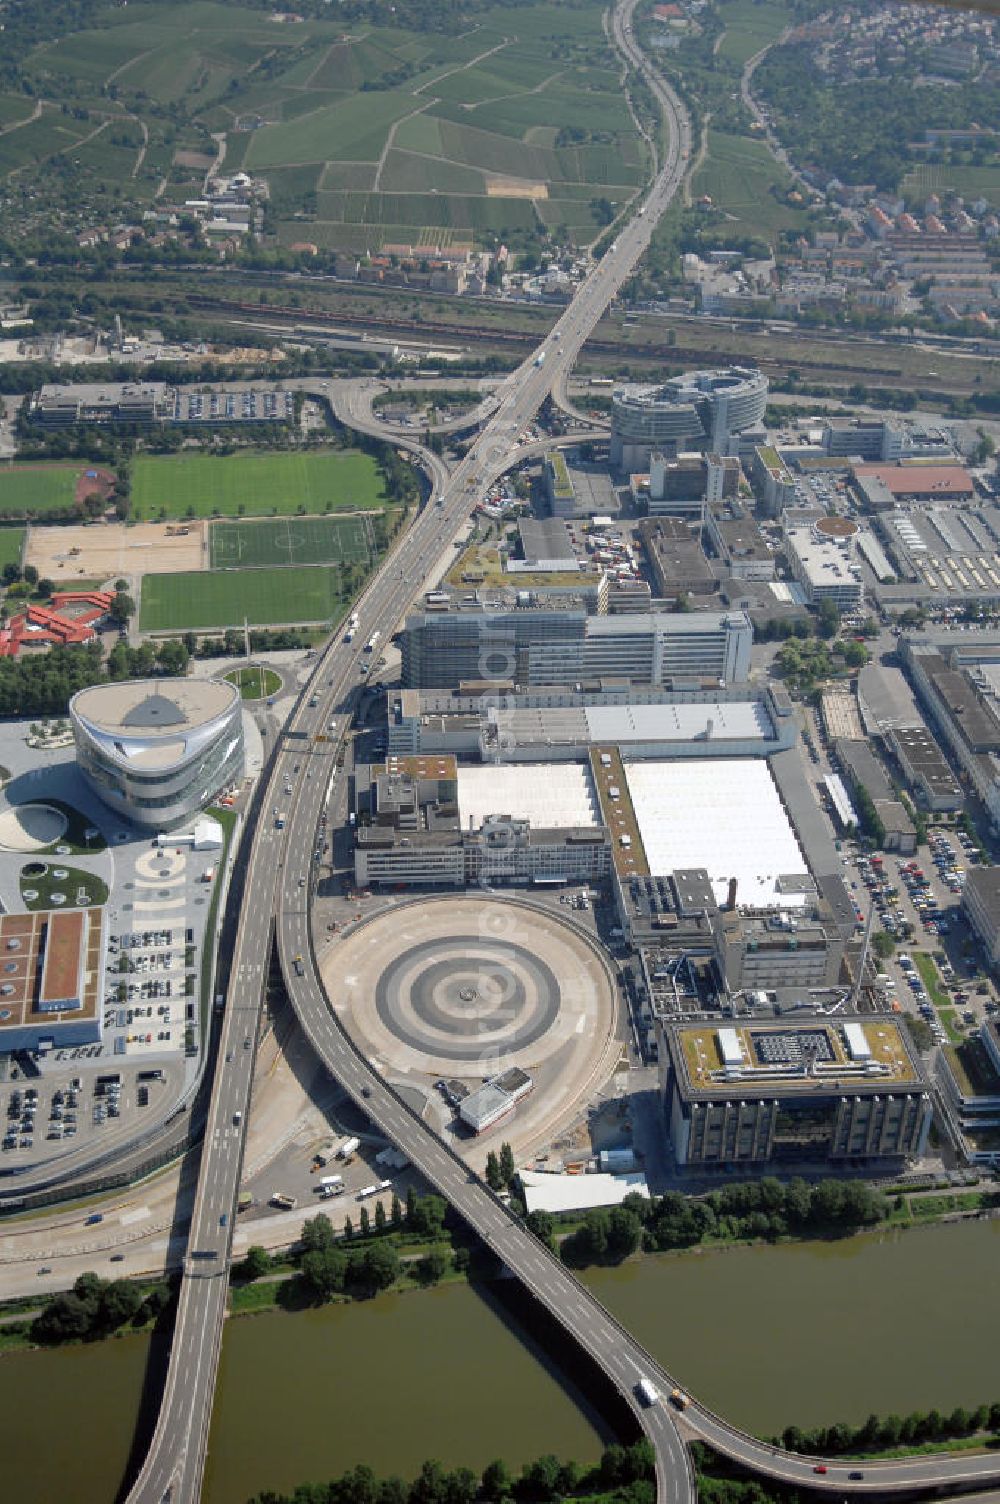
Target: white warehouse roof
<point x="732" y="720"/>
<point x="550" y="795"/>
<point x="723" y="815"/>
<point x="577" y="1193"/>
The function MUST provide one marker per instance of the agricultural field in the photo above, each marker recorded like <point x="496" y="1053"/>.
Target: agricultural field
<point x="264" y="597"/>
<point x="970" y="182"/>
<point x="27" y="489"/>
<point x="743" y="179"/>
<point x="516" y="124"/>
<point x="291" y="540"/>
<point x="751" y="25"/>
<point x="255" y="484"/>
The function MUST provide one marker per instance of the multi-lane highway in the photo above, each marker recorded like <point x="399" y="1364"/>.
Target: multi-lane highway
<point x="278" y="887"/>
<point x="278" y="879"/>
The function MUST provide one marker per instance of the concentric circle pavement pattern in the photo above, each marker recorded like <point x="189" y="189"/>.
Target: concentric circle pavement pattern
<point x="456" y="998"/>
<point x="468" y="986"/>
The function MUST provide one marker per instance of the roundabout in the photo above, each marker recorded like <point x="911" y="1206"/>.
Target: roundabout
<point x="468" y="987"/>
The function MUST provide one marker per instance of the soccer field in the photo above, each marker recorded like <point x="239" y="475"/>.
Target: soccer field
<point x="260" y="484"/>
<point x="265" y="597"/>
<point x="292" y="540"/>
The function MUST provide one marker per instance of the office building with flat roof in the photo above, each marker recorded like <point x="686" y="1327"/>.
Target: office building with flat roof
<point x="981" y="906"/>
<point x="51" y="979"/>
<point x="825" y="567"/>
<point x="701" y="410"/>
<point x="926" y="768"/>
<point x="527" y="647"/>
<point x="814" y="1091"/>
<point x="156" y="751"/>
<point x="136" y="402"/>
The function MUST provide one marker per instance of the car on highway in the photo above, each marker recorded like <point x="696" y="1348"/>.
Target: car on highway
<point x="820" y="1467"/>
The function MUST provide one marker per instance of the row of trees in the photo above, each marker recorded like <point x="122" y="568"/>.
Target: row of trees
<point x="365" y="1260"/>
<point x="759" y="1209"/>
<point x="766" y="1208"/>
<point x="624" y="1475"/>
<point x="95" y="1308"/>
<point x="45" y="686"/>
<point x="880" y="1434"/>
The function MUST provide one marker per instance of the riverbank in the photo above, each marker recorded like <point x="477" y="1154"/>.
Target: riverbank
<point x="835" y="1329"/>
<point x="448" y="1257"/>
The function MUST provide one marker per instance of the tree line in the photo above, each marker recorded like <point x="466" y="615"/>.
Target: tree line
<point x="759" y="1209"/>
<point x="886" y="1433"/>
<point x="97" y="1308"/>
<point x="624" y="1475"/>
<point x="45" y="685"/>
<point x="365" y="1259"/>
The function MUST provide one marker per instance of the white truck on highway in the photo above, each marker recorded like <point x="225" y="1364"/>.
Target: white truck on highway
<point x="647" y="1391"/>
<point x="540" y="358"/>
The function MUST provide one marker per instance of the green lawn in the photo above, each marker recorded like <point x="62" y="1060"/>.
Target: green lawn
<point x="36" y="488"/>
<point x="290" y="540"/>
<point x="255" y="682"/>
<point x="330" y="480"/>
<point x="931" y="980"/>
<point x="48" y="883"/>
<point x="265" y="597"/>
<point x="11" y="545"/>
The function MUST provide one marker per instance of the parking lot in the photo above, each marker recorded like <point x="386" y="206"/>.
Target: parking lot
<point x="246" y="406"/>
<point x="78" y="1108"/>
<point x="151" y="993"/>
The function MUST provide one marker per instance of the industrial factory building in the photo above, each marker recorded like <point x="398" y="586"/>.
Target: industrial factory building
<point x="561" y="724"/>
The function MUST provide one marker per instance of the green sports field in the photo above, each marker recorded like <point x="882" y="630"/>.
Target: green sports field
<point x="291" y="540"/>
<point x="265" y="597"/>
<point x="338" y="480"/>
<point x="11" y="545"/>
<point x="37" y="488"/>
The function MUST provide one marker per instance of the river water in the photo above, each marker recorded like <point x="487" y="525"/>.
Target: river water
<point x="805" y="1333"/>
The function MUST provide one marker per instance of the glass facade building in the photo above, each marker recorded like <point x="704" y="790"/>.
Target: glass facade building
<point x="157" y="751"/>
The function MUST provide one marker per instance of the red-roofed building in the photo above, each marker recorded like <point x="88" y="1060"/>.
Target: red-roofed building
<point x="40" y="627"/>
<point x="668" y="13"/>
<point x="885" y="485"/>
